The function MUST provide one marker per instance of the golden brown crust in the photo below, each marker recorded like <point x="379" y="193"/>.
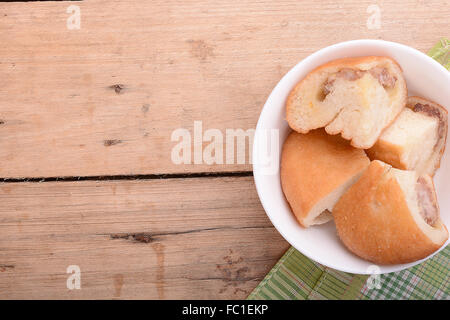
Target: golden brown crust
<point x="374" y="221"/>
<point x="315" y="164"/>
<point x="387" y="152"/>
<point x="352" y="62"/>
<point x="438" y="111"/>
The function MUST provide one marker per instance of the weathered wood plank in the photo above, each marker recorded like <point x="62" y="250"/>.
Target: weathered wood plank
<point x="160" y="239"/>
<point x="105" y="99"/>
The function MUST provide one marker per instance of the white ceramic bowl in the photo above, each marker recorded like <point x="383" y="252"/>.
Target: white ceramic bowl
<point x="424" y="76"/>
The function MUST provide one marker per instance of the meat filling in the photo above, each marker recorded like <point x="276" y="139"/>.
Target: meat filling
<point x="432" y="112"/>
<point x="327" y="87"/>
<point x="384" y="77"/>
<point x="350" y="74"/>
<point x="381" y="74"/>
<point x="427" y="205"/>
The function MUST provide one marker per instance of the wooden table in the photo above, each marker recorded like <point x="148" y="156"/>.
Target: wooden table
<point x="86" y="118"/>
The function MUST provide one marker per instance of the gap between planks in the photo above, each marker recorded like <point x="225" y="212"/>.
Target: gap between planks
<point x="190" y="175"/>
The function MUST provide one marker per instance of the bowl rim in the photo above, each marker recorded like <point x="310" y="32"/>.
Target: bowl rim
<point x="265" y="109"/>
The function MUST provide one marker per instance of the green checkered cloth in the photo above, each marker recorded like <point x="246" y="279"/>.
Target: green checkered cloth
<point x="296" y="277"/>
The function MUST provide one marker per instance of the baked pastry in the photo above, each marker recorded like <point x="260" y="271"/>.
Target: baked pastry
<point x="416" y="139"/>
<point x="390" y="216"/>
<point x="316" y="169"/>
<point x="356" y="97"/>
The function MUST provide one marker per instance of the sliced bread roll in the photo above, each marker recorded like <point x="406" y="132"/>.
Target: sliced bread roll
<point x="316" y="169"/>
<point x="416" y="139"/>
<point x="390" y="216"/>
<point x="357" y="97"/>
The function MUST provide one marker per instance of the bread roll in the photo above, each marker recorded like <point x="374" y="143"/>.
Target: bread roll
<point x="390" y="216"/>
<point x="316" y="169"/>
<point x="356" y="97"/>
<point x="416" y="139"/>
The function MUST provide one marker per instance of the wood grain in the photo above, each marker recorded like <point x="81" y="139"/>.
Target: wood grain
<point x="159" y="239"/>
<point x="105" y="99"/>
